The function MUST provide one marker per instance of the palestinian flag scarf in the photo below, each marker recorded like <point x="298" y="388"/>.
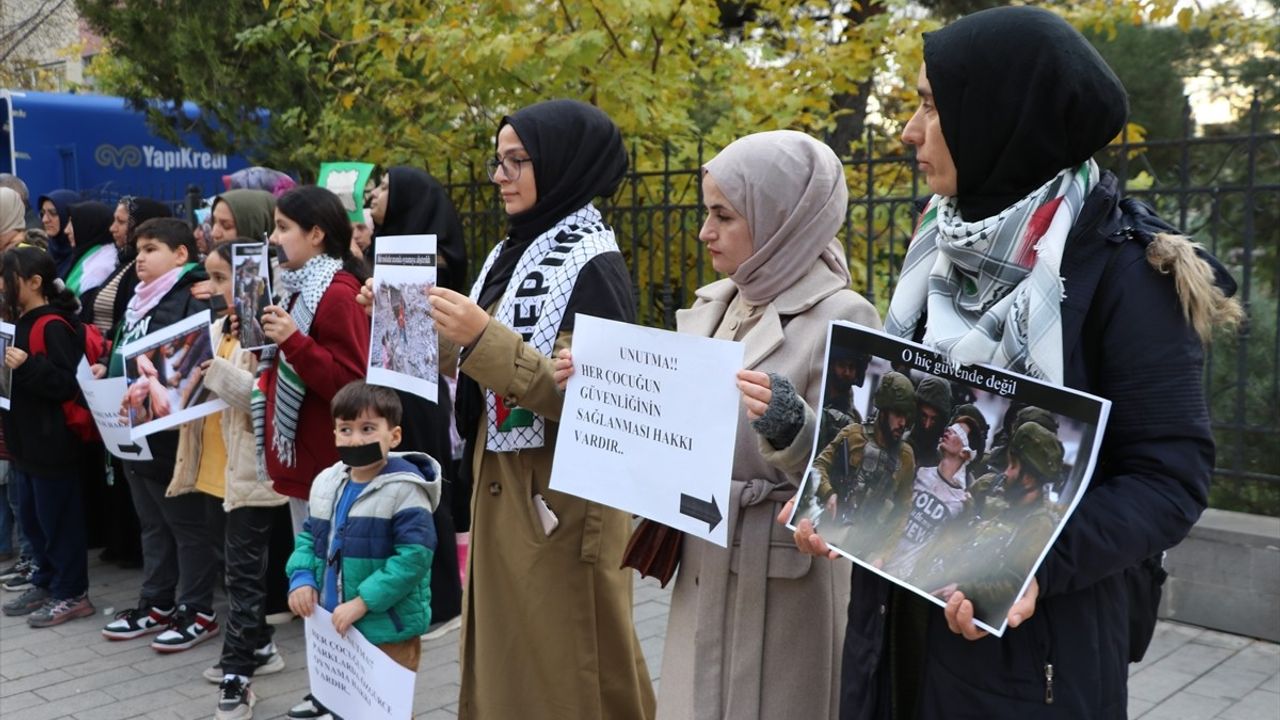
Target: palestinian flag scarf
<point x="992" y="288"/>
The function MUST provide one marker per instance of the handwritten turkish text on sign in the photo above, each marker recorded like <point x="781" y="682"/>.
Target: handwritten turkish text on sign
<point x="649" y="424"/>
<point x="353" y="678"/>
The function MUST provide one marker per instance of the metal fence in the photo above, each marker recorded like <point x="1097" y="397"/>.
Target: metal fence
<point x="1223" y="189"/>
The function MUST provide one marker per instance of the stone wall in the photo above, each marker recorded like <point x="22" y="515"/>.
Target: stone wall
<point x="1226" y="575"/>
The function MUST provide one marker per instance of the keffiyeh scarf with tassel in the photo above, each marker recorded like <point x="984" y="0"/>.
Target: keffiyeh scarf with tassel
<point x="304" y="288"/>
<point x="992" y="288"/>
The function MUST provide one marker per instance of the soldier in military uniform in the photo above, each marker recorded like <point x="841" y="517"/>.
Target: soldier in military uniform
<point x="863" y="477"/>
<point x="990" y="567"/>
<point x="987" y="485"/>
<point x="933" y="407"/>
<point x="848" y="369"/>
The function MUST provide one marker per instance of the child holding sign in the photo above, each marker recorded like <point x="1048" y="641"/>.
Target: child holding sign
<point x="365" y="551"/>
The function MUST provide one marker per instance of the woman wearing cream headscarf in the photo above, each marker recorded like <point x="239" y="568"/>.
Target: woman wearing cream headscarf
<point x="13" y="223"/>
<point x="755" y="630"/>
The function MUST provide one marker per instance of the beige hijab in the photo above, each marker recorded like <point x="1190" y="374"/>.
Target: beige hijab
<point x="791" y="190"/>
<point x="12" y="211"/>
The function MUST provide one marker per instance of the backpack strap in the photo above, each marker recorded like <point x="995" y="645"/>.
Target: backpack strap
<point x="38" y="346"/>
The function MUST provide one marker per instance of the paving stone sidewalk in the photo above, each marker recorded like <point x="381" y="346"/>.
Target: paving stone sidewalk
<point x="71" y="672"/>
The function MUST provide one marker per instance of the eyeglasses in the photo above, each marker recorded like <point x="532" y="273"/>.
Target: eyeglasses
<point x="510" y="166"/>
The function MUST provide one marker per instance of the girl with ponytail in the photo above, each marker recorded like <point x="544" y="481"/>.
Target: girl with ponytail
<point x="46" y="455"/>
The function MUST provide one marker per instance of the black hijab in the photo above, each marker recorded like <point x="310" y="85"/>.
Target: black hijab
<point x="91" y="224"/>
<point x="140" y="210"/>
<point x="1021" y="95"/>
<point x="59" y="246"/>
<point x="417" y="204"/>
<point x="577" y="155"/>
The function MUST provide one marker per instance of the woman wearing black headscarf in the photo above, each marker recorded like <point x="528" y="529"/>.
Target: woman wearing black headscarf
<point x="548" y="631"/>
<point x="93" y="257"/>
<point x="55" y="209"/>
<point x="105" y="306"/>
<point x="1027" y="257"/>
<point x="408" y="201"/>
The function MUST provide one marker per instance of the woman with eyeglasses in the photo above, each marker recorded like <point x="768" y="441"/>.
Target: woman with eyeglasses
<point x="547" y="630"/>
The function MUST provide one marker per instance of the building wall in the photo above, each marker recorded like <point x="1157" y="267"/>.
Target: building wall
<point x="48" y="34"/>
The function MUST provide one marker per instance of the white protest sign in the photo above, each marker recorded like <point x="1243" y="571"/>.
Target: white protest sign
<point x="103" y="398"/>
<point x="353" y="678"/>
<point x="7" y="333"/>
<point x="404" y="346"/>
<point x="649" y="423"/>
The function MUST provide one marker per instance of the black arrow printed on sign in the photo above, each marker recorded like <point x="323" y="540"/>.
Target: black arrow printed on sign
<point x="699" y="509"/>
<point x="132" y="448"/>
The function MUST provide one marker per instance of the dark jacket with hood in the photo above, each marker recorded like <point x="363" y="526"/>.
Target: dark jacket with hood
<point x="176" y="305"/>
<point x="35" y="428"/>
<point x="1020" y="95"/>
<point x="1127" y="341"/>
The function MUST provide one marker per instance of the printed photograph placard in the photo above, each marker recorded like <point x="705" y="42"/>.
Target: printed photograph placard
<point x="404" y="347"/>
<point x="7" y="332"/>
<point x="944" y="478"/>
<point x="251" y="291"/>
<point x="164" y="380"/>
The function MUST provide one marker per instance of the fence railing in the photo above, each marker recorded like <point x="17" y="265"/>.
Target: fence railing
<point x="1222" y="189"/>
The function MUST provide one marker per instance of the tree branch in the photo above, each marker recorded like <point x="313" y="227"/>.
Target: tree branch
<point x="617" y="45"/>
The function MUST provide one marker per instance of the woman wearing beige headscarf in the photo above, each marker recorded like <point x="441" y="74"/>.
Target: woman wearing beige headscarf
<point x="755" y="630"/>
<point x="13" y="223"/>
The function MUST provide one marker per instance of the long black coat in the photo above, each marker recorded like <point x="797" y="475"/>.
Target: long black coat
<point x="1127" y="340"/>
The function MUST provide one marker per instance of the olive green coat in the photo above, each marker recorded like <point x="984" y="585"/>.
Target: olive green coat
<point x="547" y="632"/>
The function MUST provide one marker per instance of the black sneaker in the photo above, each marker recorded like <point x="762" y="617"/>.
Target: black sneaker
<point x="28" y="602"/>
<point x="21" y="577"/>
<point x="19" y="568"/>
<point x="268" y="662"/>
<point x="310" y="709"/>
<point x="136" y="622"/>
<point x="187" y="628"/>
<point x="235" y="699"/>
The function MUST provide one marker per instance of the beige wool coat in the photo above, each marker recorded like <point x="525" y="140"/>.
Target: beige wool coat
<point x="231" y="380"/>
<point x="755" y="631"/>
<point x="547" y="632"/>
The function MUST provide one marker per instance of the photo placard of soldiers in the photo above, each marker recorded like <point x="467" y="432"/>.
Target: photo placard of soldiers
<point x="7" y="331"/>
<point x="404" y="349"/>
<point x="944" y="478"/>
<point x="164" y="380"/>
<point x="251" y="291"/>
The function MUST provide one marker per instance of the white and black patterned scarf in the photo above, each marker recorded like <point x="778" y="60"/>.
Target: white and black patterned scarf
<point x="992" y="288"/>
<point x="305" y="286"/>
<point x="534" y="304"/>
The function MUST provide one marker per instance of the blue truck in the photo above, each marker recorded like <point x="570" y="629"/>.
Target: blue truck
<point x="99" y="146"/>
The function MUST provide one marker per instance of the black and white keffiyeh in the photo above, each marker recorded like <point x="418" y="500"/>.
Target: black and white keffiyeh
<point x="992" y="288"/>
<point x="534" y="304"/>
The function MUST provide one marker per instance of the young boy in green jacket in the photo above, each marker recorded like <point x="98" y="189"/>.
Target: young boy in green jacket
<point x="364" y="553"/>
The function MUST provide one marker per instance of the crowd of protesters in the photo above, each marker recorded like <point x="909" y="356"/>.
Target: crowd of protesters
<point x="1027" y="256"/>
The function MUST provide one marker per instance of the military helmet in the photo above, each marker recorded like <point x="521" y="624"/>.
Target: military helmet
<point x="936" y="392"/>
<point x="896" y="394"/>
<point x="1036" y="446"/>
<point x="1036" y="415"/>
